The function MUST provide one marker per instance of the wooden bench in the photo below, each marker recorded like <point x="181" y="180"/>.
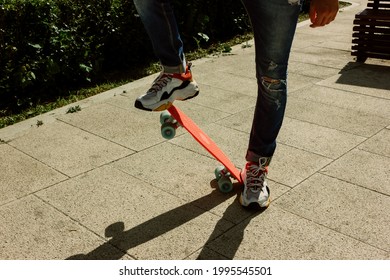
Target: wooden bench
<point x="371" y="31"/>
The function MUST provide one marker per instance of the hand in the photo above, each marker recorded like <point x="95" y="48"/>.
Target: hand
<point x="322" y="12"/>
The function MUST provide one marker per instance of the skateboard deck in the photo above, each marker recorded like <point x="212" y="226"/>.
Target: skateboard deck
<point x="169" y="126"/>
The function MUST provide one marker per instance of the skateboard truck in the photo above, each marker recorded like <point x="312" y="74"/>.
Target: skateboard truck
<point x="223" y="176"/>
<point x="168" y="125"/>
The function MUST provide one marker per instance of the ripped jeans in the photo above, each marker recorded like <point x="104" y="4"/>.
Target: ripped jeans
<point x="274" y="23"/>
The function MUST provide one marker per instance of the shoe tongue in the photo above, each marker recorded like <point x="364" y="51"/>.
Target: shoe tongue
<point x="256" y="169"/>
<point x="264" y="161"/>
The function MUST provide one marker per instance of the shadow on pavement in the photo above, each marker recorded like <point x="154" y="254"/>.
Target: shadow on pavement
<point x="121" y="241"/>
<point x="229" y="249"/>
<point x="365" y="75"/>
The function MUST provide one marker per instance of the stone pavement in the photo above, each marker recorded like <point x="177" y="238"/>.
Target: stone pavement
<point x="103" y="184"/>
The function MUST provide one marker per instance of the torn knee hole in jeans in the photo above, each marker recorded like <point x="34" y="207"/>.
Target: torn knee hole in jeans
<point x="269" y="80"/>
<point x="273" y="84"/>
<point x="274" y="91"/>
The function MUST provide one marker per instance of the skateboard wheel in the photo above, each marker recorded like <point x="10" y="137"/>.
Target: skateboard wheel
<point x="168" y="130"/>
<point x="165" y="117"/>
<point x="225" y="185"/>
<point x="219" y="172"/>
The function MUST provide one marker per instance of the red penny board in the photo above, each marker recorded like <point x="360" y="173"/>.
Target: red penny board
<point x="204" y="140"/>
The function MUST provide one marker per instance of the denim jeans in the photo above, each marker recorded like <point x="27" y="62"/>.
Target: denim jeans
<point x="274" y="23"/>
<point x="160" y="24"/>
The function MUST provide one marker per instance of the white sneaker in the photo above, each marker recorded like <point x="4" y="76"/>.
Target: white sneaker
<point x="167" y="88"/>
<point x="256" y="189"/>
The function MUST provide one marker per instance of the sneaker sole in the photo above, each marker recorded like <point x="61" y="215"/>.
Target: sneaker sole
<point x="163" y="106"/>
<point x="190" y="97"/>
<point x="267" y="203"/>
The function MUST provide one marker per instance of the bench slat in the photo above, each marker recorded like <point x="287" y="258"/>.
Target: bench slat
<point x="374" y="14"/>
<point x="380" y="5"/>
<point x="373" y="37"/>
<point x="379" y="44"/>
<point x="372" y="23"/>
<point x="380" y="1"/>
<point x="366" y="29"/>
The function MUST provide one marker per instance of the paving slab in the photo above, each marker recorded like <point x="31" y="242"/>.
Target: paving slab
<point x="279" y="234"/>
<point x="36" y="231"/>
<point x="299" y="82"/>
<point x="343" y="207"/>
<point x="22" y="175"/>
<point x="303" y="40"/>
<point x="341" y="26"/>
<point x="379" y="143"/>
<point x="222" y="63"/>
<point x="345" y="99"/>
<point x="241" y="121"/>
<point x="342" y="46"/>
<point x="290" y="165"/>
<point x="207" y="254"/>
<point x="244" y="64"/>
<point x="118" y="125"/>
<point x="117" y="207"/>
<point x="242" y="58"/>
<point x="230" y="82"/>
<point x="68" y="149"/>
<point x="25" y="127"/>
<point x="317" y="139"/>
<point x="322" y="56"/>
<point x="223" y="100"/>
<point x="347" y="120"/>
<point x="306" y="36"/>
<point x="362" y="168"/>
<point x="364" y="79"/>
<point x="310" y="70"/>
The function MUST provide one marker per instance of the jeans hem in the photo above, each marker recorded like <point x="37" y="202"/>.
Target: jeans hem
<point x="253" y="157"/>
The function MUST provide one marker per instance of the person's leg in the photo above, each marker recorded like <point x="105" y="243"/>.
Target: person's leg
<point x="175" y="82"/>
<point x="274" y="24"/>
<point x="160" y="24"/>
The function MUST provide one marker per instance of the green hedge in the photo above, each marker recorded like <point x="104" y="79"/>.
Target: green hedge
<point x="50" y="46"/>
